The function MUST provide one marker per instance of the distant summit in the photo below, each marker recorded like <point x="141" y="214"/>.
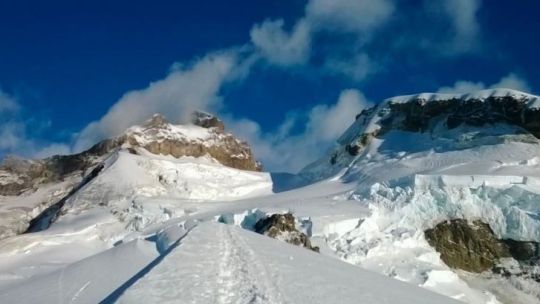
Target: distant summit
<point x="205" y="137"/>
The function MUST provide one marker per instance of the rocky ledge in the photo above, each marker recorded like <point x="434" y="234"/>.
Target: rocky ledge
<point x="419" y="113"/>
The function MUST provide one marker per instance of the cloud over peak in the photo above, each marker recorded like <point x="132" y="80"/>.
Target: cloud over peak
<point x="510" y="81"/>
<point x="280" y="47"/>
<point x="463" y="17"/>
<point x="183" y="90"/>
<point x="356" y="16"/>
<point x="283" y="149"/>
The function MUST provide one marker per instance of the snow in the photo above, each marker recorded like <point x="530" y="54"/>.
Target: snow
<point x="216" y="263"/>
<point x="533" y="101"/>
<point x="85" y="281"/>
<point x="142" y="190"/>
<point x="17" y="211"/>
<point x="413" y="181"/>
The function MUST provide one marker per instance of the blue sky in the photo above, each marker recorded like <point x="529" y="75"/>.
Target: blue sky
<point x="287" y="75"/>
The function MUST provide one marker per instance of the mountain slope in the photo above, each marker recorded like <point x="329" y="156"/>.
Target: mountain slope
<point x="216" y="263"/>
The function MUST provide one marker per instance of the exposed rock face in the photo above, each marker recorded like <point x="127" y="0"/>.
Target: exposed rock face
<point x="417" y="114"/>
<point x="472" y="246"/>
<point x="206" y="137"/>
<point x="282" y="227"/>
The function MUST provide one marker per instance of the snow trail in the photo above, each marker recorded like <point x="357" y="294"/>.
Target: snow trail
<point x="225" y="270"/>
<point x="242" y="278"/>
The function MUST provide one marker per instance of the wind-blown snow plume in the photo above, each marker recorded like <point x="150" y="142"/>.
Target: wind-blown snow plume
<point x="511" y="81"/>
<point x="184" y="90"/>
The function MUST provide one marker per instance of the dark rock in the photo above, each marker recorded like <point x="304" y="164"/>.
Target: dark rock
<point x="522" y="251"/>
<point x="207" y="120"/>
<point x="472" y="246"/>
<point x="282" y="227"/>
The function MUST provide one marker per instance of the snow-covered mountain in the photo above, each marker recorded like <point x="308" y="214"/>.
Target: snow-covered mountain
<point x="420" y="160"/>
<point x="437" y="191"/>
<point x="153" y="149"/>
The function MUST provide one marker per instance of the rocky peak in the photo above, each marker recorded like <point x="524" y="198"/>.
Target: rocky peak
<point x="205" y="137"/>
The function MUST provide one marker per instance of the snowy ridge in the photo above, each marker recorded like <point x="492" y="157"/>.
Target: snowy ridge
<point x="532" y="101"/>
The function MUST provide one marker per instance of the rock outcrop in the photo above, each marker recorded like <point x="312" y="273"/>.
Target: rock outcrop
<point x="282" y="227"/>
<point x="206" y="136"/>
<point x="472" y="246"/>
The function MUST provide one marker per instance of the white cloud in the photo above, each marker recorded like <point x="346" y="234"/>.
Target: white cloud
<point x="11" y="130"/>
<point x="285" y="48"/>
<point x="185" y="89"/>
<point x="356" y="68"/>
<point x="280" y="47"/>
<point x="52" y="149"/>
<point x="462" y="87"/>
<point x="14" y="139"/>
<point x="357" y="16"/>
<point x="284" y="150"/>
<point x="7" y="103"/>
<point x="11" y="136"/>
<point x="466" y="29"/>
<point x="511" y="81"/>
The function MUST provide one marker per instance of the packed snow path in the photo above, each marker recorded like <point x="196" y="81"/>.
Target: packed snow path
<point x="217" y="263"/>
<point x="226" y="271"/>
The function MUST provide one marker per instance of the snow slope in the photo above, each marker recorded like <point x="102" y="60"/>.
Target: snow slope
<point x="129" y="181"/>
<point x="214" y="263"/>
<point x="217" y="263"/>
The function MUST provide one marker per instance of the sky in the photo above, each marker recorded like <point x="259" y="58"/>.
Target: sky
<point x="288" y="76"/>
